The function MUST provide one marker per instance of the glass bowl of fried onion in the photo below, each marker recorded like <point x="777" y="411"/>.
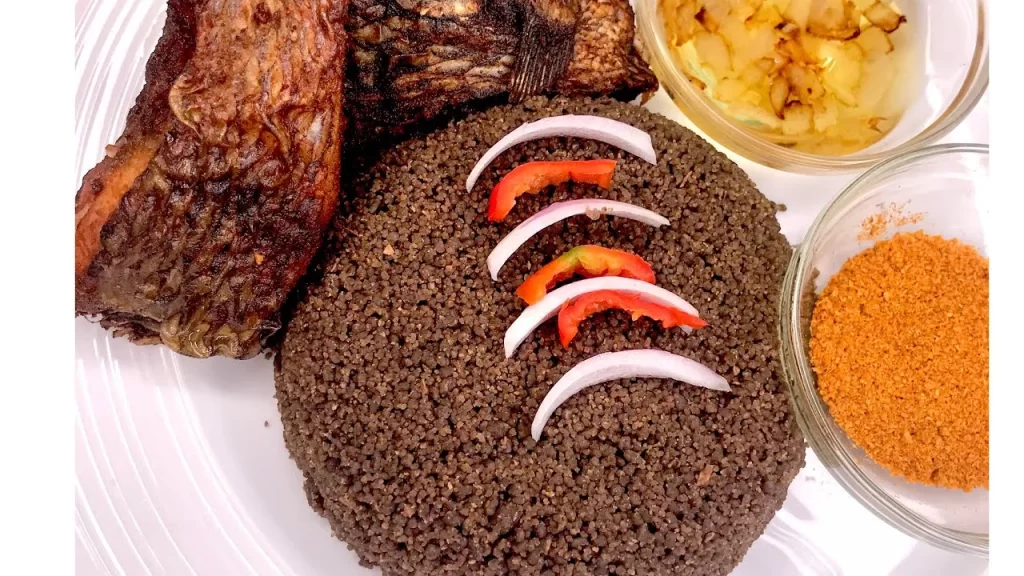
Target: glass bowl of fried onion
<point x="950" y="45"/>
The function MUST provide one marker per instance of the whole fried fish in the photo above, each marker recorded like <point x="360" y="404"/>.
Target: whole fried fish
<point x="210" y="206"/>
<point x="416" y="60"/>
<point x="208" y="209"/>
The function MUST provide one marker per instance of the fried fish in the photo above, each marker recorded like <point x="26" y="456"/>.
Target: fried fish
<point x="417" y="60"/>
<point x="208" y="209"/>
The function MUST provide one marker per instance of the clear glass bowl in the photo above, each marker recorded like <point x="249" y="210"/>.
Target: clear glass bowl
<point x="950" y="39"/>
<point x="948" y="185"/>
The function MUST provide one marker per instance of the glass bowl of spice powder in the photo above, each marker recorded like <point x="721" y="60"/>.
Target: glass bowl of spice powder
<point x="884" y="342"/>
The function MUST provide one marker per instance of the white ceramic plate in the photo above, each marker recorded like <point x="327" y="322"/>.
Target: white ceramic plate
<point x="181" y="467"/>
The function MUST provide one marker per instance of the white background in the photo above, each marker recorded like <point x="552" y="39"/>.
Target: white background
<point x="37" y="489"/>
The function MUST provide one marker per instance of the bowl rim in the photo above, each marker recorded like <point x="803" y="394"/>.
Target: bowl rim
<point x="710" y="119"/>
<point x="810" y="410"/>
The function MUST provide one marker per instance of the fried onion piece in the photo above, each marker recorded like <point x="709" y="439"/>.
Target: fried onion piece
<point x="883" y="16"/>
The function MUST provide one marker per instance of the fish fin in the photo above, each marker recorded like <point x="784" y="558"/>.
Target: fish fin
<point x="545" y="50"/>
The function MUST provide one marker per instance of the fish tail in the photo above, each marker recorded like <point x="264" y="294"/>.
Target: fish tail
<point x="545" y="50"/>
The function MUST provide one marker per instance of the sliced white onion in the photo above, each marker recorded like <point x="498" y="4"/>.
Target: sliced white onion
<point x="618" y="134"/>
<point x="539" y="313"/>
<point x="620" y="365"/>
<point x="560" y="211"/>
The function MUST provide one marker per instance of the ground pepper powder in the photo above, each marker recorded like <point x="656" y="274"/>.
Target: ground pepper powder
<point x="875" y="226"/>
<point x="899" y="343"/>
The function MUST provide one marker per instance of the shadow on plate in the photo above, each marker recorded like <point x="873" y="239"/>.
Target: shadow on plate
<point x="786" y="550"/>
<point x="924" y="559"/>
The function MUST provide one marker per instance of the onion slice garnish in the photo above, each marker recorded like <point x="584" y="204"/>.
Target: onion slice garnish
<point x="548" y="307"/>
<point x="560" y="211"/>
<point x="618" y="134"/>
<point x="622" y="365"/>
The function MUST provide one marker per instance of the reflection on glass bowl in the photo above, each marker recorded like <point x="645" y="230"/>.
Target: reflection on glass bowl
<point x="947" y="185"/>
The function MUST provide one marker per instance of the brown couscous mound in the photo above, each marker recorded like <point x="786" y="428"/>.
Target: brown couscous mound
<point x="413" y="430"/>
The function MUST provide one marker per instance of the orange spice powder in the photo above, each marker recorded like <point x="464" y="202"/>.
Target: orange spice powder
<point x="899" y="343"/>
<point x="875" y="226"/>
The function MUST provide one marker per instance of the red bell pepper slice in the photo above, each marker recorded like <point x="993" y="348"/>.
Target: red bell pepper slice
<point x="533" y="177"/>
<point x="589" y="261"/>
<point x="578" y="310"/>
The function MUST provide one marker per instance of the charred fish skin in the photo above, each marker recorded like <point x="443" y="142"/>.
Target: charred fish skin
<point x="148" y="120"/>
<point x="412" y="61"/>
<point x="214" y="200"/>
<point x="606" y="56"/>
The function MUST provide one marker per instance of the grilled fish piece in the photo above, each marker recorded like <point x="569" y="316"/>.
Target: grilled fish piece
<point x="210" y="206"/>
<point x="416" y="60"/>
